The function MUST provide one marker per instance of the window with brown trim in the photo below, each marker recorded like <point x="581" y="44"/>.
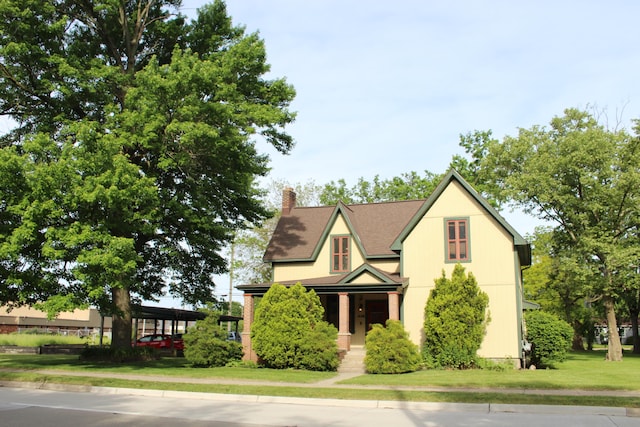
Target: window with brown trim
<point x="340" y="254"/>
<point x="458" y="240"/>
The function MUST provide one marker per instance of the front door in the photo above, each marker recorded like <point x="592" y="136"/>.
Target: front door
<point x="377" y="312"/>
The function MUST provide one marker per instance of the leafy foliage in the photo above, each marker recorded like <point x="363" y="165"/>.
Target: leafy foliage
<point x="206" y="344"/>
<point x="133" y="161"/>
<point x="407" y="186"/>
<point x="288" y="331"/>
<point x="476" y="145"/>
<point x="550" y="338"/>
<point x="390" y="351"/>
<point x="584" y="178"/>
<point x="561" y="284"/>
<point x="455" y="321"/>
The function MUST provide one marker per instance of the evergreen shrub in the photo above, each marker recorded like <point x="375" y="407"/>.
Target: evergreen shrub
<point x="206" y="344"/>
<point x="455" y="321"/>
<point x="550" y="338"/>
<point x="390" y="351"/>
<point x="289" y="331"/>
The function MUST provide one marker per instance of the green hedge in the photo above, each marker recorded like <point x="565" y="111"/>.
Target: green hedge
<point x="288" y="331"/>
<point x="390" y="351"/>
<point x="455" y="321"/>
<point x="119" y="355"/>
<point x="550" y="338"/>
<point x="206" y="344"/>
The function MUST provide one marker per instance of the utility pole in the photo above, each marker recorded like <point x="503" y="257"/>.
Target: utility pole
<point x="230" y="286"/>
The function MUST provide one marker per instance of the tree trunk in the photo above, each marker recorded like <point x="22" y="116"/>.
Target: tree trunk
<point x="614" y="350"/>
<point x="121" y="320"/>
<point x="578" y="342"/>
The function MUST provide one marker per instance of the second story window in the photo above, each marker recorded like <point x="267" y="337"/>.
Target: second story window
<point x="340" y="254"/>
<point x="457" y="240"/>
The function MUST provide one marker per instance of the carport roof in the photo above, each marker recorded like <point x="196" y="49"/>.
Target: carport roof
<point x="162" y="313"/>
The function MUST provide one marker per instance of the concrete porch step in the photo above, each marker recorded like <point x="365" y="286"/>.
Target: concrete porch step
<point x="353" y="361"/>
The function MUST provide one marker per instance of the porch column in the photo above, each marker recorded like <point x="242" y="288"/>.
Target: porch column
<point x="394" y="305"/>
<point x="246" y="330"/>
<point x="344" y="336"/>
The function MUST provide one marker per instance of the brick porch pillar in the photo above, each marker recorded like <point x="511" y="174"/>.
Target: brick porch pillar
<point x="344" y="336"/>
<point x="394" y="305"/>
<point x="249" y="354"/>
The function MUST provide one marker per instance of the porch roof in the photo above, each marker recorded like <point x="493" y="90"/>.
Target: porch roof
<point x="383" y="282"/>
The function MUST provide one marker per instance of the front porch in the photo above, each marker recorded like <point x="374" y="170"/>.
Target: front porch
<point x="352" y="313"/>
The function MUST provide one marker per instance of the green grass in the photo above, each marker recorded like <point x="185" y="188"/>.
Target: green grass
<point x="332" y="393"/>
<point x="582" y="370"/>
<point x="36" y="340"/>
<point x="587" y="370"/>
<point x="168" y="366"/>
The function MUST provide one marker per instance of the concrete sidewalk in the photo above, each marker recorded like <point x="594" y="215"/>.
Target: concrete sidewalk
<point x="334" y="383"/>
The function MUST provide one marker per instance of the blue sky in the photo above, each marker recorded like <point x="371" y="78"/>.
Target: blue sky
<point x="385" y="88"/>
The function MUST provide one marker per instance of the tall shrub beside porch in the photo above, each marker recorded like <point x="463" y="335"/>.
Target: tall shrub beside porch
<point x="289" y="331"/>
<point x="455" y="321"/>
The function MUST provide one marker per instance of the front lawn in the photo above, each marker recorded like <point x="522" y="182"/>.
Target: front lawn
<point x="166" y="366"/>
<point x="582" y="370"/>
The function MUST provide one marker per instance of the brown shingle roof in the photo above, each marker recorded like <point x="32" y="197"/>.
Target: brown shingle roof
<point x="379" y="224"/>
<point x="298" y="235"/>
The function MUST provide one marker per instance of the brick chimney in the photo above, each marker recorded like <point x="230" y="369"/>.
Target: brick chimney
<point x="288" y="200"/>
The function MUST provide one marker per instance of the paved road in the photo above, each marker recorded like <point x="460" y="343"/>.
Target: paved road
<point x="110" y="407"/>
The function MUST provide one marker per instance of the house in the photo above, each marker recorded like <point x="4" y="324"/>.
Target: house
<point x="373" y="262"/>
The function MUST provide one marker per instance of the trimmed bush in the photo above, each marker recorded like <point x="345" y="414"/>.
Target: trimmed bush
<point x="549" y="336"/>
<point x="288" y="331"/>
<point x="390" y="351"/>
<point x="455" y="321"/>
<point x="206" y="344"/>
<point x="119" y="355"/>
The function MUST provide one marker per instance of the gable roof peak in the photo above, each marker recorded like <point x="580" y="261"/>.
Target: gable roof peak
<point x="343" y="205"/>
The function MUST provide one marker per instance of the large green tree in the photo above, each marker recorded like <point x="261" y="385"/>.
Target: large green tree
<point x="585" y="178"/>
<point x="560" y="282"/>
<point x="476" y="146"/>
<point x="133" y="160"/>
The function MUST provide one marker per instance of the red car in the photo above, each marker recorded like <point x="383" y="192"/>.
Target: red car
<point x="161" y="341"/>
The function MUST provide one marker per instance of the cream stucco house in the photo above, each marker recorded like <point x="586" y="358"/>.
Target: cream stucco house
<point x="373" y="262"/>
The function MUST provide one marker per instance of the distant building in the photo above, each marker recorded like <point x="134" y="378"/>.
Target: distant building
<point x="77" y="322"/>
<point x="149" y="320"/>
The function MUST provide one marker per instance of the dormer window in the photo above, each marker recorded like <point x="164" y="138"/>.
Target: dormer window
<point x="340" y="254"/>
<point x="457" y="235"/>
